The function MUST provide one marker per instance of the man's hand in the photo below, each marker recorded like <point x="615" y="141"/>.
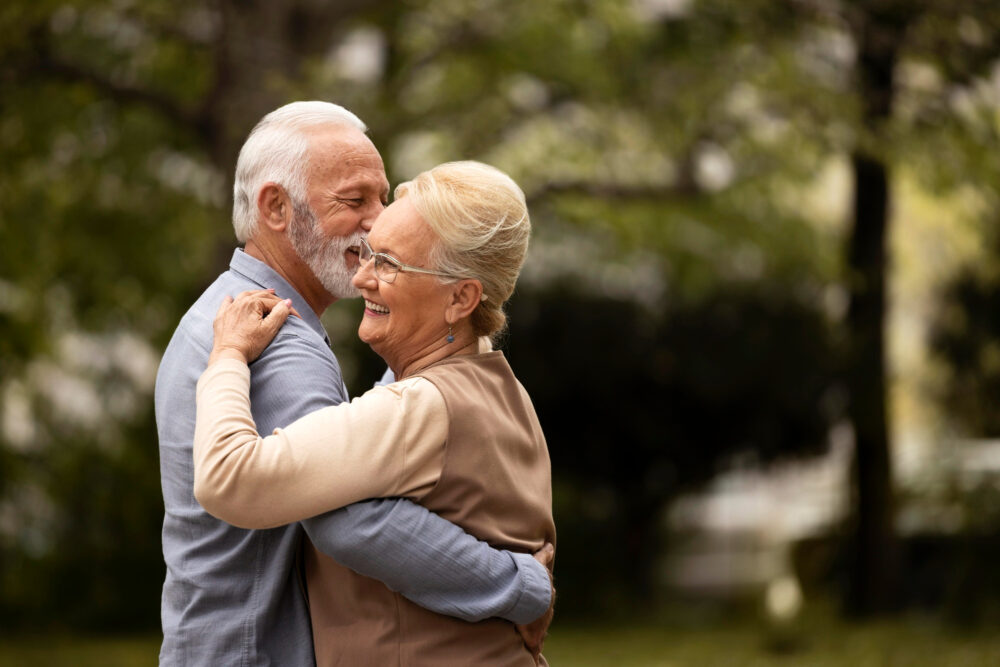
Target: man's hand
<point x="534" y="633"/>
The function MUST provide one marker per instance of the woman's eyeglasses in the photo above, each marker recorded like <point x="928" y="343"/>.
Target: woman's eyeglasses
<point x="387" y="266"/>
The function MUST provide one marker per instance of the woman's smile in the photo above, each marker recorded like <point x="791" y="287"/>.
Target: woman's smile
<point x="376" y="308"/>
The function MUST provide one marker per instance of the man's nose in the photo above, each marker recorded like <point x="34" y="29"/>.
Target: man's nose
<point x="372" y="211"/>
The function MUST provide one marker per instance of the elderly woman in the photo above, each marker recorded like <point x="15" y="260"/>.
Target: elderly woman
<point x="455" y="432"/>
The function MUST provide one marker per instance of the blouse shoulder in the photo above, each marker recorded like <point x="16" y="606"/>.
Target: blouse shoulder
<point x="413" y="392"/>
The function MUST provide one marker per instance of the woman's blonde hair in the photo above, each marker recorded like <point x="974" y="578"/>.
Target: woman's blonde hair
<point x="481" y="221"/>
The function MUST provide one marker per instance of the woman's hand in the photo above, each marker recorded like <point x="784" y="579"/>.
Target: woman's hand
<point x="244" y="326"/>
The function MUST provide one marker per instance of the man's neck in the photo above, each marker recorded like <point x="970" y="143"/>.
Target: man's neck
<point x="295" y="273"/>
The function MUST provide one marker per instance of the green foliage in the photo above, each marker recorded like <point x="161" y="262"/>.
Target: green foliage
<point x="109" y="215"/>
<point x="966" y="338"/>
<point x="657" y="150"/>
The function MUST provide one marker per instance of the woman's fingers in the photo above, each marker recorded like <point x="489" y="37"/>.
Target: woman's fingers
<point x="257" y="298"/>
<point x="254" y="298"/>
<point x="274" y="319"/>
<point x="253" y="293"/>
<point x="223" y="306"/>
<point x="258" y="301"/>
<point x="261" y="327"/>
<point x="247" y="324"/>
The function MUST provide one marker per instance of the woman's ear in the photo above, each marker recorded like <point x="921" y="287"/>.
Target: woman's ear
<point x="274" y="207"/>
<point x="465" y="296"/>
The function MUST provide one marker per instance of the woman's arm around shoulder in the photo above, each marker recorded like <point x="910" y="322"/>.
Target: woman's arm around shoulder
<point x="388" y="442"/>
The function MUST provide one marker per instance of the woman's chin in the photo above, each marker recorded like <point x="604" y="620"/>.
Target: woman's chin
<point x="366" y="335"/>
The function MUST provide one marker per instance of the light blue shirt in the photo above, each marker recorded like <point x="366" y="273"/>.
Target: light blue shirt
<point x="235" y="597"/>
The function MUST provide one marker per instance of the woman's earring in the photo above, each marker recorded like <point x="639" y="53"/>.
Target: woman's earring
<point x="451" y="337"/>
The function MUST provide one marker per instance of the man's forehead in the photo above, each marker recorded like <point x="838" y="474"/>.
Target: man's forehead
<point x="343" y="144"/>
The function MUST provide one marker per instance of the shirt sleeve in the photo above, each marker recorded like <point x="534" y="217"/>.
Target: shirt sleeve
<point x="441" y="567"/>
<point x="388" y="442"/>
<point x="387" y="378"/>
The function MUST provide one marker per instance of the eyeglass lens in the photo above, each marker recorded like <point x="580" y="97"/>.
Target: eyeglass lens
<point x="385" y="268"/>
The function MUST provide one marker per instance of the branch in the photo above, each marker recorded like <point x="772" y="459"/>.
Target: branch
<point x="612" y="191"/>
<point x="161" y="26"/>
<point x="160" y="102"/>
<point x="38" y="61"/>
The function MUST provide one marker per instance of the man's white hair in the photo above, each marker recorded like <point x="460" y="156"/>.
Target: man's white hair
<point x="277" y="151"/>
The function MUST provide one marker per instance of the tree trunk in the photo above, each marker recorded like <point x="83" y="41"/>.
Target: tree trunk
<point x="871" y="586"/>
<point x="872" y="578"/>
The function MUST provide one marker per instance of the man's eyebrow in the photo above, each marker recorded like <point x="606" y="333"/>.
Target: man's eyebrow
<point x="360" y="186"/>
<point x="348" y="192"/>
<point x="368" y="183"/>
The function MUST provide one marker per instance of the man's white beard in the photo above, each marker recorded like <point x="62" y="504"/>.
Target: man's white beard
<point x="325" y="257"/>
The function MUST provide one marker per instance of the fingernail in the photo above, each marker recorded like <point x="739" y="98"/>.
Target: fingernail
<point x="288" y="302"/>
<point x="270" y="289"/>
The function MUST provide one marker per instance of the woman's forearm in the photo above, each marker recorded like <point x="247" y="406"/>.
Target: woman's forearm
<point x="380" y="445"/>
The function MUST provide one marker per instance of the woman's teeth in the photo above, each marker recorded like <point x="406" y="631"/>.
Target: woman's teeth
<point x="374" y="307"/>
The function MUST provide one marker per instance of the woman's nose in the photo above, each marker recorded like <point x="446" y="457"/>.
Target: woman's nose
<point x="365" y="275"/>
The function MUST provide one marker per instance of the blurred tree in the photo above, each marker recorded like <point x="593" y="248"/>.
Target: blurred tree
<point x="664" y="147"/>
<point x="120" y="123"/>
<point x="890" y="34"/>
<point x="642" y="406"/>
<point x="887" y="83"/>
<point x="966" y="337"/>
<point x="878" y="29"/>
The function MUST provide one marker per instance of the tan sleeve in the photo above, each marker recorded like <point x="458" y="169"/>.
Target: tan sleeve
<point x="387" y="442"/>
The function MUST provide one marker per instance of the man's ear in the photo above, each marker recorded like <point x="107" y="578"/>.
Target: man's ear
<point x="274" y="206"/>
<point x="465" y="296"/>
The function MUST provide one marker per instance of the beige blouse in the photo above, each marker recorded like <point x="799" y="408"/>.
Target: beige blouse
<point x="387" y="442"/>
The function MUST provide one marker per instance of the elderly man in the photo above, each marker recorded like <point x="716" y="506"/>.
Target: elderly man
<point x="309" y="184"/>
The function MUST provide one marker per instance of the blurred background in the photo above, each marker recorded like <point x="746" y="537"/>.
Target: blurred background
<point x="760" y="318"/>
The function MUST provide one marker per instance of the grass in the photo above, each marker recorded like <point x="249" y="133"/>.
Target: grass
<point x="818" y="641"/>
<point x="43" y="651"/>
<point x="861" y="646"/>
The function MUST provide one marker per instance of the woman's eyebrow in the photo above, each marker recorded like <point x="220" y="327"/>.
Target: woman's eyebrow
<point x="387" y="251"/>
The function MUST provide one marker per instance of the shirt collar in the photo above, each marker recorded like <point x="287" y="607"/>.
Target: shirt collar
<point x="265" y="277"/>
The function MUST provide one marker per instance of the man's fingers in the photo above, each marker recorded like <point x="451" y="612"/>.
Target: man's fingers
<point x="546" y="555"/>
<point x="534" y="633"/>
